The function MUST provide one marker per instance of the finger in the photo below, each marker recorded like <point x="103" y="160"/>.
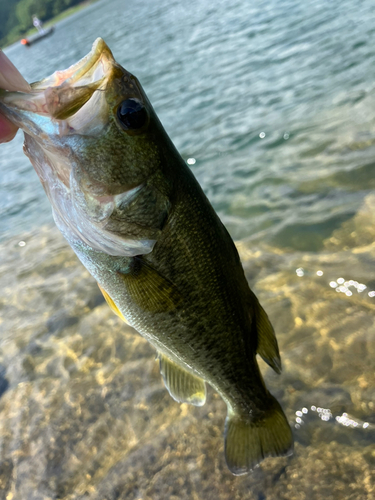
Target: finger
<point x="7" y="130"/>
<point x="10" y="78"/>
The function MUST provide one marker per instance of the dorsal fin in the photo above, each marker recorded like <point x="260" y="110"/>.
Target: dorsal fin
<point x="183" y="386"/>
<point x="267" y="347"/>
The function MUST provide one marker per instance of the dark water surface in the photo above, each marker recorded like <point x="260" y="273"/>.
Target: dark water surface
<point x="274" y="101"/>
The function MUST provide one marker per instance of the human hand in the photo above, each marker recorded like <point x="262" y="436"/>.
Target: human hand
<point x="10" y="79"/>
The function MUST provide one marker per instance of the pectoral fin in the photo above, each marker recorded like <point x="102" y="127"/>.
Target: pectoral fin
<point x="149" y="289"/>
<point x="182" y="385"/>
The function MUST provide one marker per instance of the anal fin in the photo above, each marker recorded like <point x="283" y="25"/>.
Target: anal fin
<point x="183" y="386"/>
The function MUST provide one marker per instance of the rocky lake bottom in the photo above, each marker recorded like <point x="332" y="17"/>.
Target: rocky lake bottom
<point x="84" y="413"/>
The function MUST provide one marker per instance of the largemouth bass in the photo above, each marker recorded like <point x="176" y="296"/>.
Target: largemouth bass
<point x="140" y="223"/>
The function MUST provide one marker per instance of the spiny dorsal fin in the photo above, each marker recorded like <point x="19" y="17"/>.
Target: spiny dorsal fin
<point x="267" y="346"/>
<point x="149" y="289"/>
<point x="182" y="385"/>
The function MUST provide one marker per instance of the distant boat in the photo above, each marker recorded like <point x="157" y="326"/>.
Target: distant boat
<point x="33" y="39"/>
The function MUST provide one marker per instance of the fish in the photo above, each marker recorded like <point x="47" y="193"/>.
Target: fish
<point x="138" y="220"/>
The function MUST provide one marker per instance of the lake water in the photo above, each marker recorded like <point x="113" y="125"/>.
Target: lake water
<point x="274" y="101"/>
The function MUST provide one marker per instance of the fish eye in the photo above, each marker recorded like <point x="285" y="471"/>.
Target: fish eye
<point x="132" y="114"/>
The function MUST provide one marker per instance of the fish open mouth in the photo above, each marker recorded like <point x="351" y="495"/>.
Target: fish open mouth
<point x="68" y="102"/>
<point x="71" y="99"/>
<point x="88" y="70"/>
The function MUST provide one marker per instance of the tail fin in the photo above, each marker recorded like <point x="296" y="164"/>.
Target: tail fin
<point x="248" y="441"/>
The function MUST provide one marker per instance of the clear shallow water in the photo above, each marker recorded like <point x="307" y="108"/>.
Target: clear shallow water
<point x="275" y="102"/>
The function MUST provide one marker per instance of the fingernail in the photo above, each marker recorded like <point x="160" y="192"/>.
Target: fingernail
<point x="10" y="78"/>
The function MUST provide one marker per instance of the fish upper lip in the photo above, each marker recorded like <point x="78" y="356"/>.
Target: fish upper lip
<point x="93" y="71"/>
<point x="100" y="52"/>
